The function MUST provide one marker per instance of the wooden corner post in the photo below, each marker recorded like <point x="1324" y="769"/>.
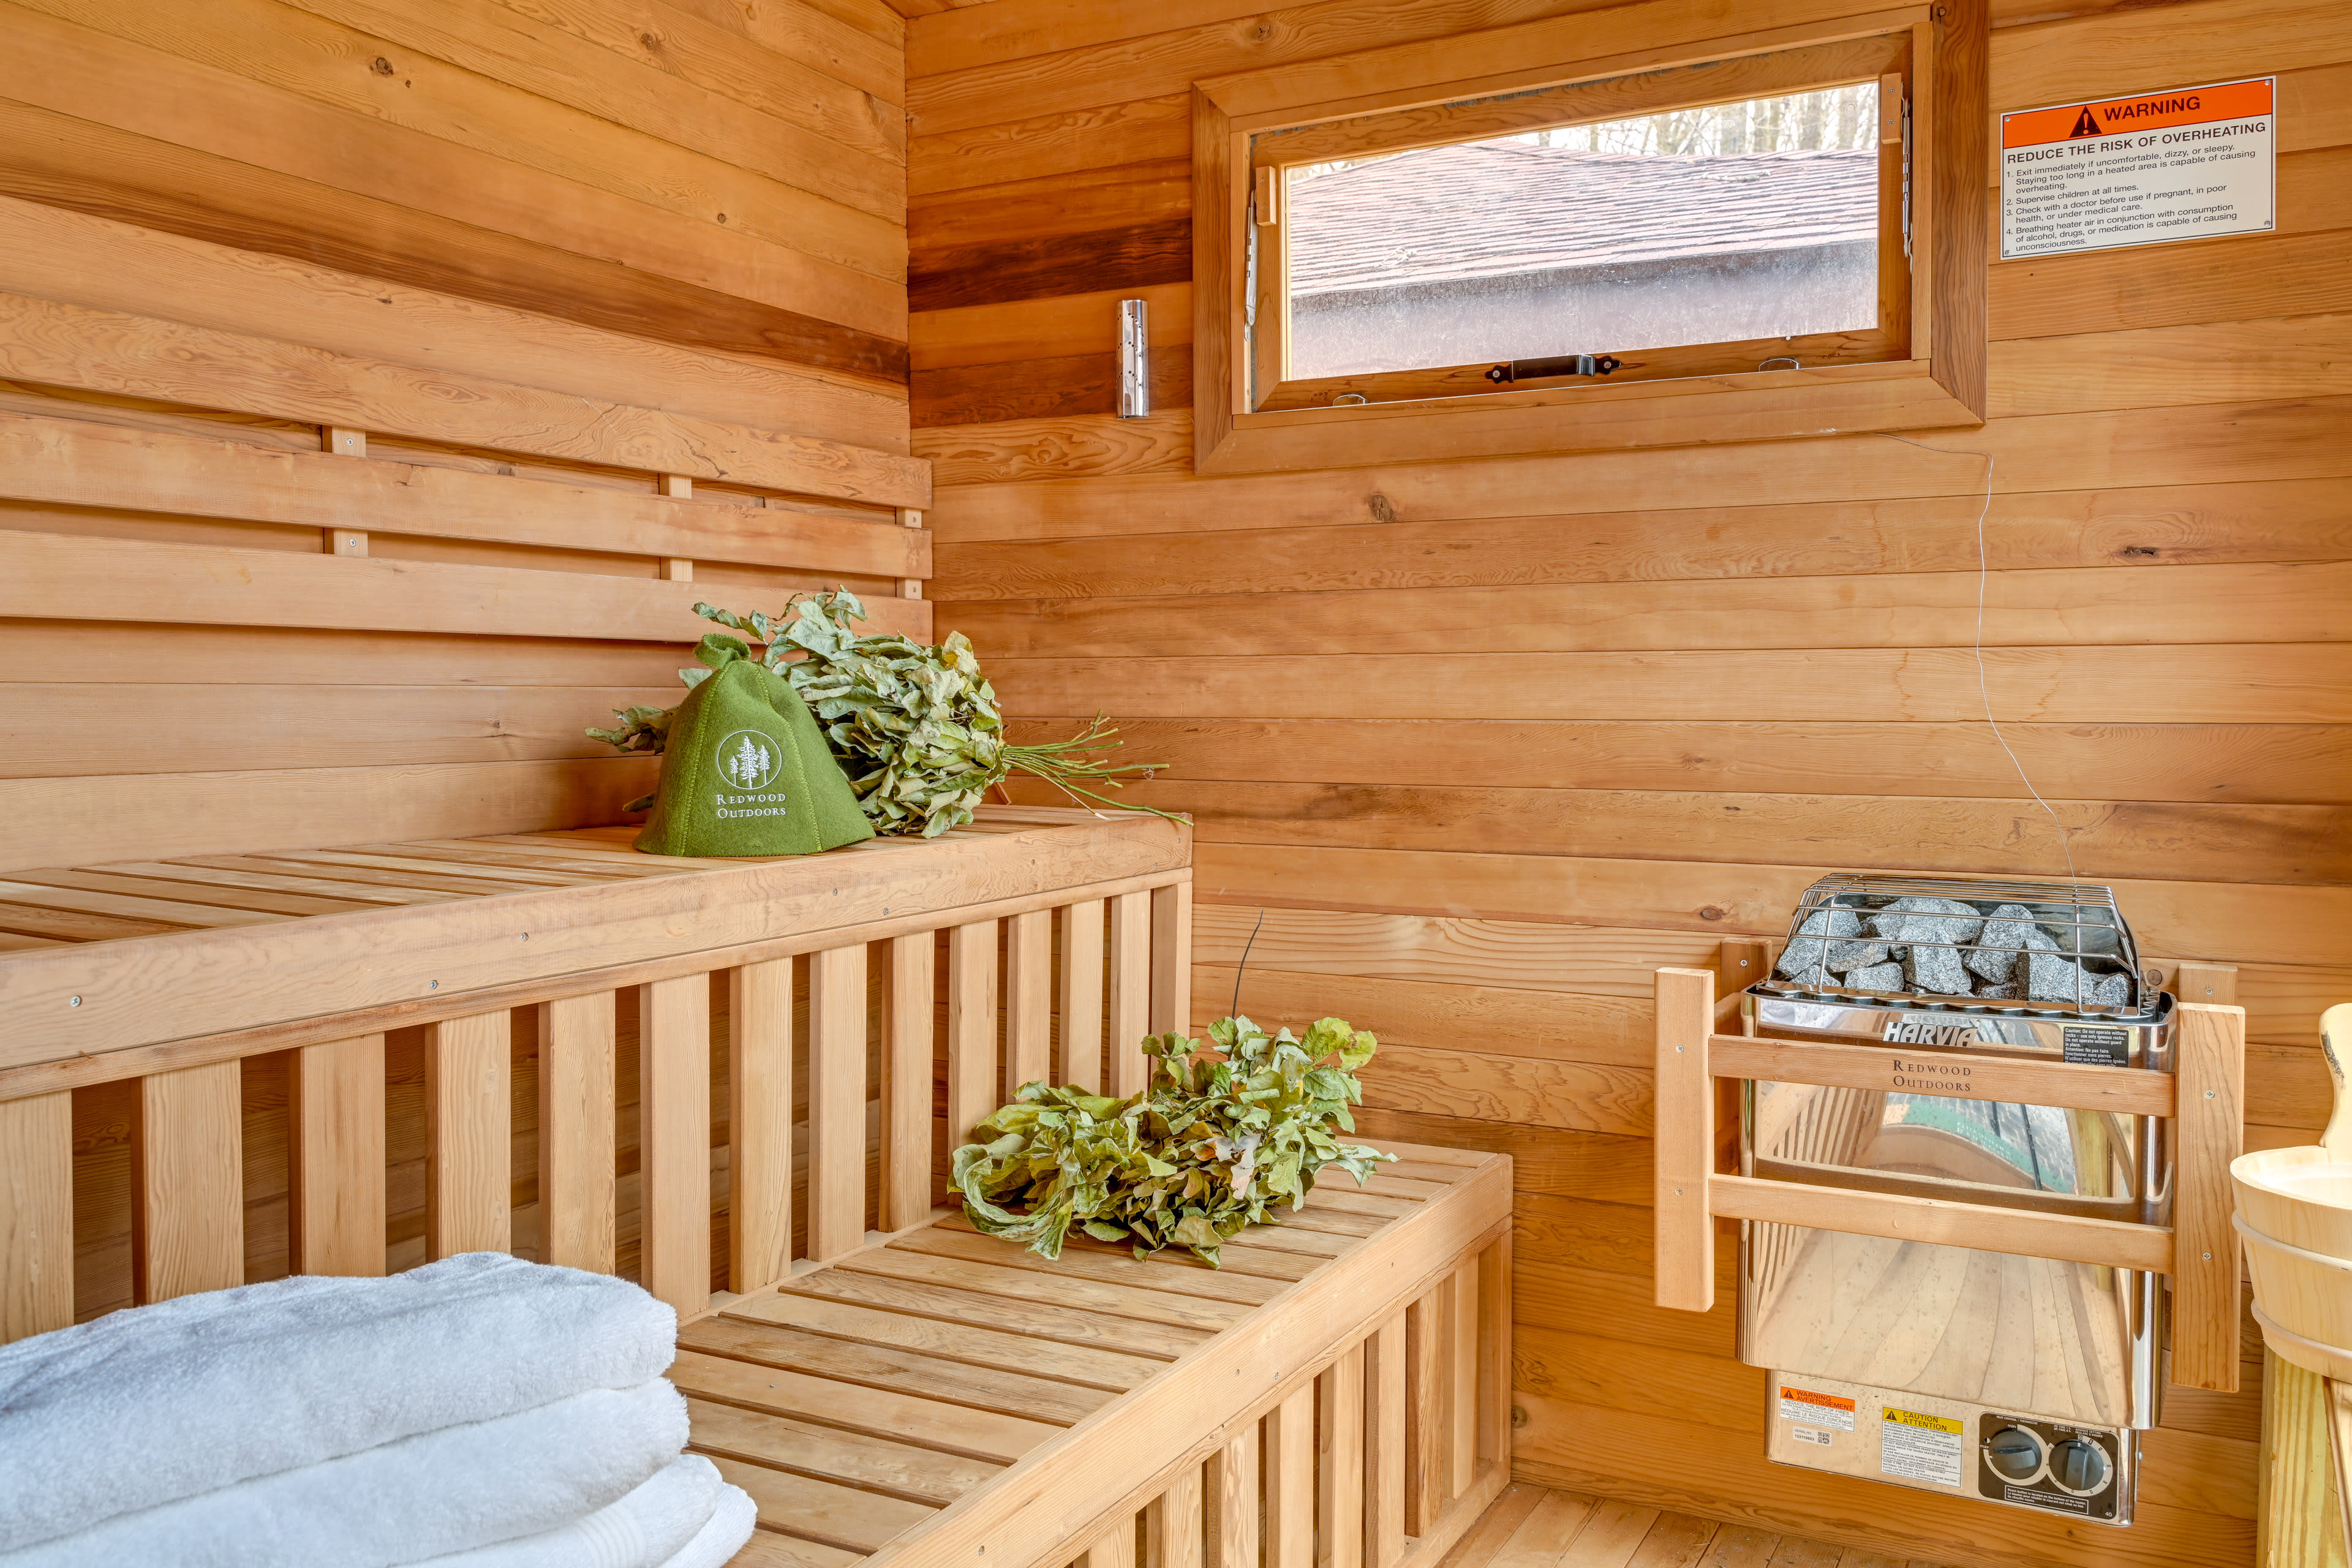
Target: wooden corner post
<point x="1684" y="1240"/>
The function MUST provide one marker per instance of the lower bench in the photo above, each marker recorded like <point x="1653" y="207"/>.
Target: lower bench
<point x="1335" y="1396"/>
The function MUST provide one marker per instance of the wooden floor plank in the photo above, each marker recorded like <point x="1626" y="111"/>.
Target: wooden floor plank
<point x="1115" y="1268"/>
<point x="1740" y="1546"/>
<point x="833" y="1515"/>
<point x="1675" y="1540"/>
<point x="1611" y="1536"/>
<point x="1802" y="1552"/>
<point x="1483" y="1540"/>
<point x="1080" y="1364"/>
<point x="993" y="1279"/>
<point x="910" y="1419"/>
<point x="916" y="1475"/>
<point x="900" y="1371"/>
<point x="1546" y="1531"/>
<point x="1055" y="1322"/>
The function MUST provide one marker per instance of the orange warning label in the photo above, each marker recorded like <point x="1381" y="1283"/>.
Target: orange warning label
<point x="1826" y="1401"/>
<point x="2148" y="111"/>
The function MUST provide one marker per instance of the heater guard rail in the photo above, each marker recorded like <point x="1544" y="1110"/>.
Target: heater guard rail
<point x="2203" y="1097"/>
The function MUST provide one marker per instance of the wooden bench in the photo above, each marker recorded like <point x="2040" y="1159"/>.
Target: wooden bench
<point x="1335" y="1395"/>
<point x="735" y="1081"/>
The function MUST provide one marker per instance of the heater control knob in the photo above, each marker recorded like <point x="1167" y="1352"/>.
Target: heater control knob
<point x="2014" y="1453"/>
<point x="2081" y="1465"/>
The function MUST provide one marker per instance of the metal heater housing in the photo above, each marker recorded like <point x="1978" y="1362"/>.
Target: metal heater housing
<point x="2023" y="1380"/>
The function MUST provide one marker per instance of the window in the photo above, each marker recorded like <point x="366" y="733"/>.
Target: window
<point x="1726" y="239"/>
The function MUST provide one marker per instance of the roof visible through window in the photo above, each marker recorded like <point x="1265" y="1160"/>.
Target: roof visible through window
<point x="1740" y="221"/>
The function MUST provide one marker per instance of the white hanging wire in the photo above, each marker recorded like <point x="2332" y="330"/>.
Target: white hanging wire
<point x="1984" y="682"/>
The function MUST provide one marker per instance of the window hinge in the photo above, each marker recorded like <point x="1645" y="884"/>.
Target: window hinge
<point x="1564" y="364"/>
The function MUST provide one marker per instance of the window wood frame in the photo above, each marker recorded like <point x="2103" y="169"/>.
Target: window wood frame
<point x="1640" y="58"/>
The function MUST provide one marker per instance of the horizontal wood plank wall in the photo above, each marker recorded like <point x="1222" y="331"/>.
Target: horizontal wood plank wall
<point x="1486" y="743"/>
<point x="381" y="385"/>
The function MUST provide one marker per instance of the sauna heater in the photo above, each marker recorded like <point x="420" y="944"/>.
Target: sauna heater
<point x="2022" y="1381"/>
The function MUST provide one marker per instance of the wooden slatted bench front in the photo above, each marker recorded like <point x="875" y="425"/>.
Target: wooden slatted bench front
<point x="1333" y="1397"/>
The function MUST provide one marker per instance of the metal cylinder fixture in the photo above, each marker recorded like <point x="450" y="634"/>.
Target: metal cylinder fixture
<point x="1134" y="360"/>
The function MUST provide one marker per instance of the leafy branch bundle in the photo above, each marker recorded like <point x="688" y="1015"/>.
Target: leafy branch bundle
<point x="1211" y="1146"/>
<point x="916" y="729"/>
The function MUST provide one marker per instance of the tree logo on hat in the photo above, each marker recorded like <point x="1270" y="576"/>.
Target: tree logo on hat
<point x="749" y="760"/>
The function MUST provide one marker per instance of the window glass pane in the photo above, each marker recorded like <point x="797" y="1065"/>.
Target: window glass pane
<point x="1741" y="220"/>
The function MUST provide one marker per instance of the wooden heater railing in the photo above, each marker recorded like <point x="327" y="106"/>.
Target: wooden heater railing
<point x="1122" y="945"/>
<point x="1694" y="1188"/>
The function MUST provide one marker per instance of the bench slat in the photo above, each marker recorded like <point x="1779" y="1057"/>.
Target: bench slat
<point x="1237" y="1256"/>
<point x="902" y="1372"/>
<point x="252" y="871"/>
<point x="926" y="1423"/>
<point x="1082" y="1365"/>
<point x="916" y="1475"/>
<point x="835" y="1515"/>
<point x="578" y="1182"/>
<point x="1078" y="995"/>
<point x="907" y="1023"/>
<point x="674" y="1140"/>
<point x="36" y="1247"/>
<point x="1028" y="1000"/>
<point x="973" y="1086"/>
<point x="468" y="1152"/>
<point x="1340" y="1462"/>
<point x="768" y="1549"/>
<point x="187" y="1152"/>
<point x="1108" y="1267"/>
<point x="995" y="1280"/>
<point x="837" y="1101"/>
<point x="760" y="1123"/>
<point x="1290" y="1481"/>
<point x="1057" y="1321"/>
<point x="1128" y="1068"/>
<point x="335" y="1158"/>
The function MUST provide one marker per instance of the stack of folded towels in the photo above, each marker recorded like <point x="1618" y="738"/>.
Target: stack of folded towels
<point x="480" y="1412"/>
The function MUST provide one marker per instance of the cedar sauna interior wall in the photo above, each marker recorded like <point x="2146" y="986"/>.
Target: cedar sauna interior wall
<point x="1485" y="742"/>
<point x="539" y="255"/>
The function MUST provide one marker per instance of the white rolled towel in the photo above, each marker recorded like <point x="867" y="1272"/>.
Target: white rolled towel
<point x="423" y="1497"/>
<point x="156" y="1403"/>
<point x="674" y="1520"/>
<point x="717" y="1542"/>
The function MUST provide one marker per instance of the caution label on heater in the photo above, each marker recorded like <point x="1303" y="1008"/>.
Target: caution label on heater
<point x="2194" y="163"/>
<point x="1820" y="1409"/>
<point x="1919" y="1447"/>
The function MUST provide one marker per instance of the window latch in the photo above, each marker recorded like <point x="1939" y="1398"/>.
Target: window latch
<point x="1564" y="364"/>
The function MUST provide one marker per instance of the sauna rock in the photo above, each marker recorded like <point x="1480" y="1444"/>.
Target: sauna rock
<point x="2009" y="931"/>
<point x="1802" y="961"/>
<point x="1877" y="977"/>
<point x="2050" y="978"/>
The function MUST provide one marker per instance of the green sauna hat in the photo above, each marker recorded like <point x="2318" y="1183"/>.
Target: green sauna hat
<point x="746" y="772"/>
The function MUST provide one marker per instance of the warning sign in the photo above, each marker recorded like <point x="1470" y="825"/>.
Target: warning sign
<point x="1820" y="1409"/>
<point x="1918" y="1447"/>
<point x="2195" y="163"/>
